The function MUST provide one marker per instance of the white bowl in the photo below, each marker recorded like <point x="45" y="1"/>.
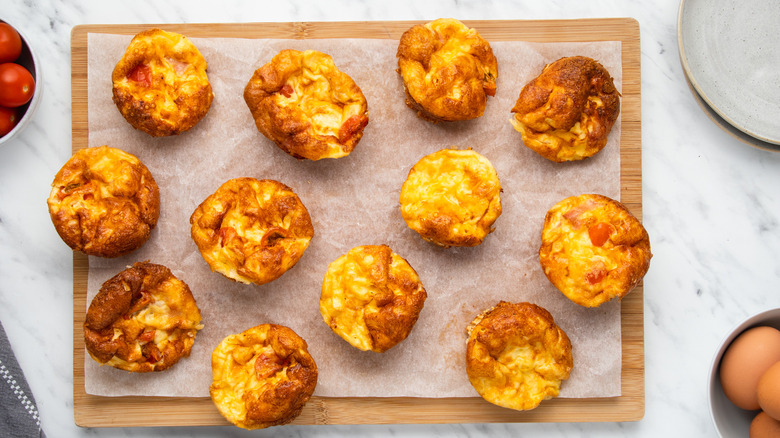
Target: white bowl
<point x="29" y="60"/>
<point x="731" y="421"/>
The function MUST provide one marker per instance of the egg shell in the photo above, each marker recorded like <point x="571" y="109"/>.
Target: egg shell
<point x="769" y="391"/>
<point x="745" y="361"/>
<point x="764" y="426"/>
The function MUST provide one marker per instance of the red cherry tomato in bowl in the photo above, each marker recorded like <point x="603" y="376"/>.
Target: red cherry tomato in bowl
<point x="10" y="43"/>
<point x="8" y="120"/>
<point x="16" y="85"/>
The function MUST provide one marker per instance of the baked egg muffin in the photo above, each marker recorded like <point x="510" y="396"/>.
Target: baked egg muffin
<point x="567" y="112"/>
<point x="448" y="70"/>
<point x="142" y="319"/>
<point x="306" y="105"/>
<point x="104" y="202"/>
<point x="593" y="249"/>
<point x="452" y="198"/>
<point x="262" y="377"/>
<point x="517" y="356"/>
<point x="160" y="84"/>
<point x="371" y="297"/>
<point x="252" y="231"/>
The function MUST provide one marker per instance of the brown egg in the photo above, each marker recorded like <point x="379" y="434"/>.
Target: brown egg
<point x="764" y="426"/>
<point x="769" y="391"/>
<point x="745" y="361"/>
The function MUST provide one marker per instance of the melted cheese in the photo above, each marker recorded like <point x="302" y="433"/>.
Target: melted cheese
<point x="520" y="359"/>
<point x="451" y="81"/>
<point x="458" y="184"/>
<point x="177" y="68"/>
<point x="103" y="173"/>
<point x="591" y="274"/>
<point x="371" y="297"/>
<point x="247" y="368"/>
<point x="326" y="104"/>
<point x="171" y="314"/>
<point x="251" y="209"/>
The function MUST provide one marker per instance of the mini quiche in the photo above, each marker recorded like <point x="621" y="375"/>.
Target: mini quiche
<point x="160" y="84"/>
<point x="302" y="102"/>
<point x="593" y="249"/>
<point x="448" y="70"/>
<point x="142" y="319"/>
<point x="517" y="356"/>
<point x="104" y="202"/>
<point x="262" y="377"/>
<point x="452" y="198"/>
<point x="371" y="297"/>
<point x="567" y="112"/>
<point x="252" y="231"/>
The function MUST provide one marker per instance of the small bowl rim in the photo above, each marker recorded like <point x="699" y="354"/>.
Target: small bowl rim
<point x="33" y="105"/>
<point x="759" y="319"/>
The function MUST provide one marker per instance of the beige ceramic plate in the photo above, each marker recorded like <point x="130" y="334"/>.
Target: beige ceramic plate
<point x="723" y="124"/>
<point x="731" y="54"/>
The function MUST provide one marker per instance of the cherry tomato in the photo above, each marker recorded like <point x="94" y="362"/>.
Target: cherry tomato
<point x="16" y="85"/>
<point x="8" y="120"/>
<point x="10" y="43"/>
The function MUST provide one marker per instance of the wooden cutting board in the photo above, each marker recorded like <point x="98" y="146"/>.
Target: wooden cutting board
<point x="98" y="411"/>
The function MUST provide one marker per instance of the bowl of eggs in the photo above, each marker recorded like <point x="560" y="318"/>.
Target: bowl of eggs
<point x="744" y="391"/>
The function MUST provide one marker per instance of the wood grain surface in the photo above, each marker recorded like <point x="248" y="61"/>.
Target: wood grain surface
<point x="97" y="411"/>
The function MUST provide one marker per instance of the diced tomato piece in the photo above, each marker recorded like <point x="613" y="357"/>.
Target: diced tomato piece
<point x="66" y="190"/>
<point x="596" y="275"/>
<point x="226" y="234"/>
<point x="599" y="233"/>
<point x="287" y="90"/>
<point x="151" y="352"/>
<point x="142" y="74"/>
<point x="266" y="366"/>
<point x="351" y="127"/>
<point x="147" y="335"/>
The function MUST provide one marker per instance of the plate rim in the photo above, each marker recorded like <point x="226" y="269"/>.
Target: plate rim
<point x="724" y="125"/>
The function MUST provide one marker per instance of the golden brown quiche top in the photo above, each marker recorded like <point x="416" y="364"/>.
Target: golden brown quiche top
<point x="452" y="197"/>
<point x="306" y="105"/>
<point x="160" y="84"/>
<point x="567" y="112"/>
<point x="252" y="230"/>
<point x="593" y="249"/>
<point x="517" y="356"/>
<point x="262" y="377"/>
<point x="371" y="297"/>
<point x="142" y="319"/>
<point x="104" y="202"/>
<point x="448" y="70"/>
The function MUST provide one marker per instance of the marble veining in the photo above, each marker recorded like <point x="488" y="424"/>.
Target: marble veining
<point x="710" y="204"/>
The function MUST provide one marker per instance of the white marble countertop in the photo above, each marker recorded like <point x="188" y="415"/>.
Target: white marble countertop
<point x="711" y="207"/>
